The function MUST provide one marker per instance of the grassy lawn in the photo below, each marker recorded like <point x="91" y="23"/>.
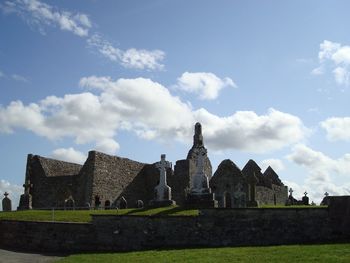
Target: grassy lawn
<point x="280" y="254"/>
<point x="85" y="215"/>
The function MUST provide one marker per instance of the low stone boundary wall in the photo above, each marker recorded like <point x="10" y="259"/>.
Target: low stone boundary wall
<point x="47" y="236"/>
<point x="214" y="227"/>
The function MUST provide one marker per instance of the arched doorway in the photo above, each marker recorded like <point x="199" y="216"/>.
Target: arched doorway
<point x="107" y="204"/>
<point x="227" y="200"/>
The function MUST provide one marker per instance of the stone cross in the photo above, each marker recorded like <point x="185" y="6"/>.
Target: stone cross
<point x="305" y="193"/>
<point x="201" y="152"/>
<point x="27" y="187"/>
<point x="6" y="194"/>
<point x="291" y="191"/>
<point x="200" y="180"/>
<point x="162" y="166"/>
<point x="326" y="194"/>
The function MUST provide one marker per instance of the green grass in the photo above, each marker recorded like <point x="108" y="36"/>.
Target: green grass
<point x="337" y="253"/>
<point x="294" y="206"/>
<point x="85" y="215"/>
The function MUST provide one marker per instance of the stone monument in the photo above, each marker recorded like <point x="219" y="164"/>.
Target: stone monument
<point x="6" y="203"/>
<point x="305" y="199"/>
<point x="200" y="194"/>
<point x="25" y="201"/>
<point x="162" y="192"/>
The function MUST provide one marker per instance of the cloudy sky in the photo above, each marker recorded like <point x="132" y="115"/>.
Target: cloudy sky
<point x="268" y="80"/>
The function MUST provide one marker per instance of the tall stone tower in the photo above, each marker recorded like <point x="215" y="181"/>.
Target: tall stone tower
<point x="200" y="194"/>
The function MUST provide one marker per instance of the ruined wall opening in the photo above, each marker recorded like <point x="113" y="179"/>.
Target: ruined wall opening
<point x="227" y="200"/>
<point x="107" y="204"/>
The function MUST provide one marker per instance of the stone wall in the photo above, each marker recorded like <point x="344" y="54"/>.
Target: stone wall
<point x="212" y="228"/>
<point x="47" y="236"/>
<point x="277" y="195"/>
<point x="52" y="181"/>
<point x="114" y="177"/>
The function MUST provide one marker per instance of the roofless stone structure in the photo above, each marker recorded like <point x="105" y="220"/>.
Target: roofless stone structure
<point x="103" y="180"/>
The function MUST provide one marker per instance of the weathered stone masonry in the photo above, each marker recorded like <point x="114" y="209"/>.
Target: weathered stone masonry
<point x="104" y="180"/>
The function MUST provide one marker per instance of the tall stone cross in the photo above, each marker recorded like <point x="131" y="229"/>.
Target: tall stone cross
<point x="6" y="194"/>
<point x="326" y="194"/>
<point x="201" y="152"/>
<point x="291" y="191"/>
<point x="162" y="166"/>
<point x="305" y="193"/>
<point x="27" y="187"/>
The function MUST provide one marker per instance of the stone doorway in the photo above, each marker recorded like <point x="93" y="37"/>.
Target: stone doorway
<point x="227" y="200"/>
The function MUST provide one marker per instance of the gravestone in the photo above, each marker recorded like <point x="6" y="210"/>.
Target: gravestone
<point x="6" y="203"/>
<point x="97" y="202"/>
<point x="326" y="199"/>
<point x="162" y="192"/>
<point x="139" y="204"/>
<point x="200" y="194"/>
<point x="69" y="203"/>
<point x="25" y="201"/>
<point x="291" y="200"/>
<point x="305" y="199"/>
<point x="123" y="204"/>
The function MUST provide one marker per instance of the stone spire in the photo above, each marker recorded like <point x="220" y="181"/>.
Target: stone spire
<point x="198" y="137"/>
<point x="197" y="142"/>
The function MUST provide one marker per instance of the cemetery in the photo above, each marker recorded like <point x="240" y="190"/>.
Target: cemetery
<point x="116" y="204"/>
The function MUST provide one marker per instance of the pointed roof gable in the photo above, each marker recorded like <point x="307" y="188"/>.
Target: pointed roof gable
<point x="273" y="176"/>
<point x="227" y="166"/>
<point x="54" y="167"/>
<point x="251" y="167"/>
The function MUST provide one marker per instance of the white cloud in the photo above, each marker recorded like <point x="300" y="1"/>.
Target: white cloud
<point x="2" y="74"/>
<point x="341" y="75"/>
<point x="276" y="164"/>
<point x="19" y="78"/>
<point x="336" y="57"/>
<point x="130" y="58"/>
<point x="205" y="84"/>
<point x="322" y="170"/>
<point x="245" y="130"/>
<point x="337" y="128"/>
<point x="69" y="155"/>
<point x="39" y="14"/>
<point x="149" y="110"/>
<point x="107" y="145"/>
<point x="14" y="191"/>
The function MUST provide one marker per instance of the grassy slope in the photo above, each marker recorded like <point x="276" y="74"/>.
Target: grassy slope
<point x="337" y="253"/>
<point x="85" y="215"/>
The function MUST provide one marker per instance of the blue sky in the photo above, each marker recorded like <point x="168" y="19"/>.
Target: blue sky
<point x="268" y="80"/>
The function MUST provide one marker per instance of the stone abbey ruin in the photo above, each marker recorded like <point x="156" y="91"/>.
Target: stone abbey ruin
<point x="106" y="181"/>
<point x="110" y="181"/>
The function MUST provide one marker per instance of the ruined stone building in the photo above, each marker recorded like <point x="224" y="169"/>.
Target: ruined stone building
<point x="104" y="179"/>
